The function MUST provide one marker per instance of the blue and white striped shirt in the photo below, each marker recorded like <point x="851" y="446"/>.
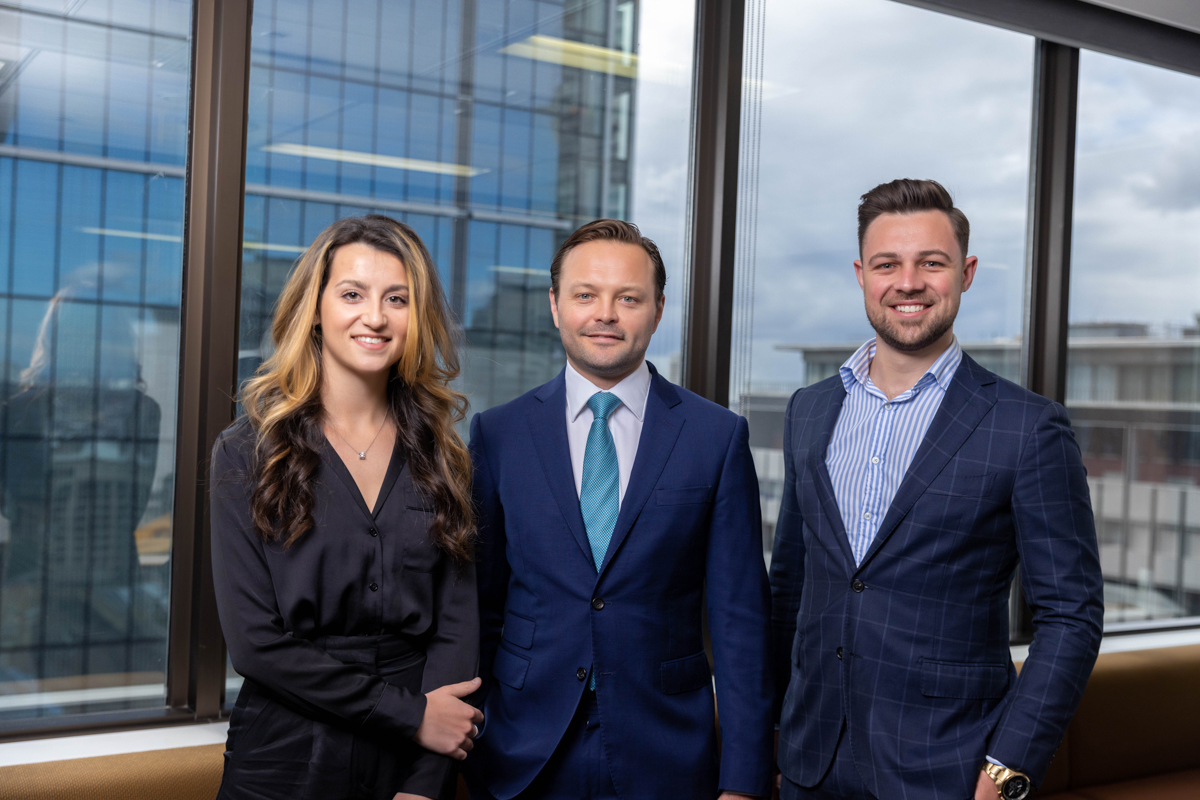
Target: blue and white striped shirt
<point x="875" y="439"/>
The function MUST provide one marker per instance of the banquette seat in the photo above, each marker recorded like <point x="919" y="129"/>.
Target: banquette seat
<point x="1136" y="736"/>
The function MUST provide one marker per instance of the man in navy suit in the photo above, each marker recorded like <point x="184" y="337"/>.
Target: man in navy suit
<point x="915" y="481"/>
<point x="613" y="507"/>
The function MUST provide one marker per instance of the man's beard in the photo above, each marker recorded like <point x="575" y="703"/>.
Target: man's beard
<point x="620" y="362"/>
<point x="927" y="332"/>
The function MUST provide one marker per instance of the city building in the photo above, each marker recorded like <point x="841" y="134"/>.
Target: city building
<point x="1133" y="400"/>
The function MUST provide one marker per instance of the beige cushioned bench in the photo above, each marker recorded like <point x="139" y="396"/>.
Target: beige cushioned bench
<point x="1137" y="731"/>
<point x="184" y="773"/>
<point x="1136" y="735"/>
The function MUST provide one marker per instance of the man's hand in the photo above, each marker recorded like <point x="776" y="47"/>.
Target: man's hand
<point x="737" y="796"/>
<point x="985" y="788"/>
<point x="450" y="725"/>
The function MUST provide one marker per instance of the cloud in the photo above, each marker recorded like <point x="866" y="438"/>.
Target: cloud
<point x="1137" y="194"/>
<point x="1173" y="183"/>
<point x="864" y="91"/>
<point x="884" y="91"/>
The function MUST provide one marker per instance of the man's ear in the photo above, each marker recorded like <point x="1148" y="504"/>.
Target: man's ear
<point x="969" y="267"/>
<point x="554" y="307"/>
<point x="662" y="303"/>
<point x="858" y="272"/>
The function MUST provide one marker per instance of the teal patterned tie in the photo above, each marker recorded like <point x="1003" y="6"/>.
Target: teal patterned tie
<point x="599" y="496"/>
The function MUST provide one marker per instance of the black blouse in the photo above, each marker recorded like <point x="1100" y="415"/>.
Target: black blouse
<point x="356" y="572"/>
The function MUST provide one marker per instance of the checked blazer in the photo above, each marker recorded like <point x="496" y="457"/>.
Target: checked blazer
<point x="909" y="650"/>
<point x="688" y="537"/>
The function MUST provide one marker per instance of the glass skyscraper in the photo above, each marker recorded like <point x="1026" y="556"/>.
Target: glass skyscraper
<point x="492" y="127"/>
<point x="93" y="134"/>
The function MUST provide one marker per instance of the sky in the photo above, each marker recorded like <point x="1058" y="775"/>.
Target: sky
<point x="662" y="128"/>
<point x="860" y="92"/>
<point x="1137" y="195"/>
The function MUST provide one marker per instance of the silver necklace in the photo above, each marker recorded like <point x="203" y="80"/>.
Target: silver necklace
<point x="362" y="454"/>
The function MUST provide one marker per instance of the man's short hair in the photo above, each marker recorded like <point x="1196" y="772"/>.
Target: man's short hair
<point x="610" y="230"/>
<point x="906" y="196"/>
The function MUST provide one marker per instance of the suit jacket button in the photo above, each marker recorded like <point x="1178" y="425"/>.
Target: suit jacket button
<point x="839" y="653"/>
<point x="858" y="585"/>
<point x="374" y="587"/>
<point x="372" y="531"/>
<point x="581" y="673"/>
<point x="597" y="603"/>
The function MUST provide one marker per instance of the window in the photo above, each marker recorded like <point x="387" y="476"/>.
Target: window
<point x="93" y="130"/>
<point x="494" y="128"/>
<point x="853" y="95"/>
<point x="1134" y="342"/>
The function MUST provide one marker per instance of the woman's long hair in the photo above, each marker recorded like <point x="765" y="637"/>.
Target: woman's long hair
<point x="283" y="399"/>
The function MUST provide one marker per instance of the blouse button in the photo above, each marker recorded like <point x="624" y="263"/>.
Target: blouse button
<point x="372" y="531"/>
<point x="374" y="587"/>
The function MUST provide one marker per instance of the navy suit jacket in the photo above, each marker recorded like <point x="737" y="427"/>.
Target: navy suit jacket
<point x="689" y="530"/>
<point x="910" y="649"/>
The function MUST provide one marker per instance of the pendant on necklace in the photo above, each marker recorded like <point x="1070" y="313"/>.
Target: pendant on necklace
<point x="362" y="456"/>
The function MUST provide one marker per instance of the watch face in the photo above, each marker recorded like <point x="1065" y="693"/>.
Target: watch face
<point x="1015" y="788"/>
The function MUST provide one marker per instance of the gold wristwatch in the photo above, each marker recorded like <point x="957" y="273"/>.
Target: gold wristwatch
<point x="1010" y="784"/>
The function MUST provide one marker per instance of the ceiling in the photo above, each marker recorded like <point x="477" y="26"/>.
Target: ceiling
<point x="1179" y="13"/>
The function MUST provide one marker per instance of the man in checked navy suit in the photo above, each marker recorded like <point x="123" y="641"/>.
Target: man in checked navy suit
<point x="915" y="481"/>
<point x="613" y="508"/>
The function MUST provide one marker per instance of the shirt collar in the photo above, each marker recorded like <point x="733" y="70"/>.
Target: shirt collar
<point x="858" y="367"/>
<point x="634" y="390"/>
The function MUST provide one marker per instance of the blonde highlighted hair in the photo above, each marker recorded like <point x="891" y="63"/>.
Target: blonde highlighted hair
<point x="283" y="399"/>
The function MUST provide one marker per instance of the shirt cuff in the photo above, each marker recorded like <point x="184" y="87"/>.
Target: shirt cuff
<point x="398" y="712"/>
<point x="994" y="761"/>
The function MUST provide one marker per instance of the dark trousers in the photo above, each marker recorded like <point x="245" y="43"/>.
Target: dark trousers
<point x="278" y="752"/>
<point x="841" y="782"/>
<point x="578" y="770"/>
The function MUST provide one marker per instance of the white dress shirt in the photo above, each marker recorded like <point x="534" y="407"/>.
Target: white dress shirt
<point x="624" y="423"/>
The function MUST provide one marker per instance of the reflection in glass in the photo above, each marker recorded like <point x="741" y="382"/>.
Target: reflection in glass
<point x="1133" y="364"/>
<point x="93" y="110"/>
<point x="854" y="94"/>
<point x="494" y="128"/>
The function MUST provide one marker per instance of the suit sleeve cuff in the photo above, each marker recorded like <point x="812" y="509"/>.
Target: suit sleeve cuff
<point x="398" y="713"/>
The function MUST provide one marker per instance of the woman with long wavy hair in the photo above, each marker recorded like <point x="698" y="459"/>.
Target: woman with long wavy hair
<point x="342" y="528"/>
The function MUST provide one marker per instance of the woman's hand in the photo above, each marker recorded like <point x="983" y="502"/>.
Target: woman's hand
<point x="450" y="724"/>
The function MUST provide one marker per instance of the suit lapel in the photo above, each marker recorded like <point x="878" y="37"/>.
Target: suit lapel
<point x="660" y="431"/>
<point x="822" y="483"/>
<point x="962" y="409"/>
<point x="548" y="427"/>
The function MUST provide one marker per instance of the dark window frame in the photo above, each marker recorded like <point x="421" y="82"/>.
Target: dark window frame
<point x="212" y="266"/>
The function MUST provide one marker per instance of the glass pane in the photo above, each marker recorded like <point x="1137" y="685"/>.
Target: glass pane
<point x="1133" y="363"/>
<point x="494" y="128"/>
<point x="93" y="131"/>
<point x="854" y="93"/>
